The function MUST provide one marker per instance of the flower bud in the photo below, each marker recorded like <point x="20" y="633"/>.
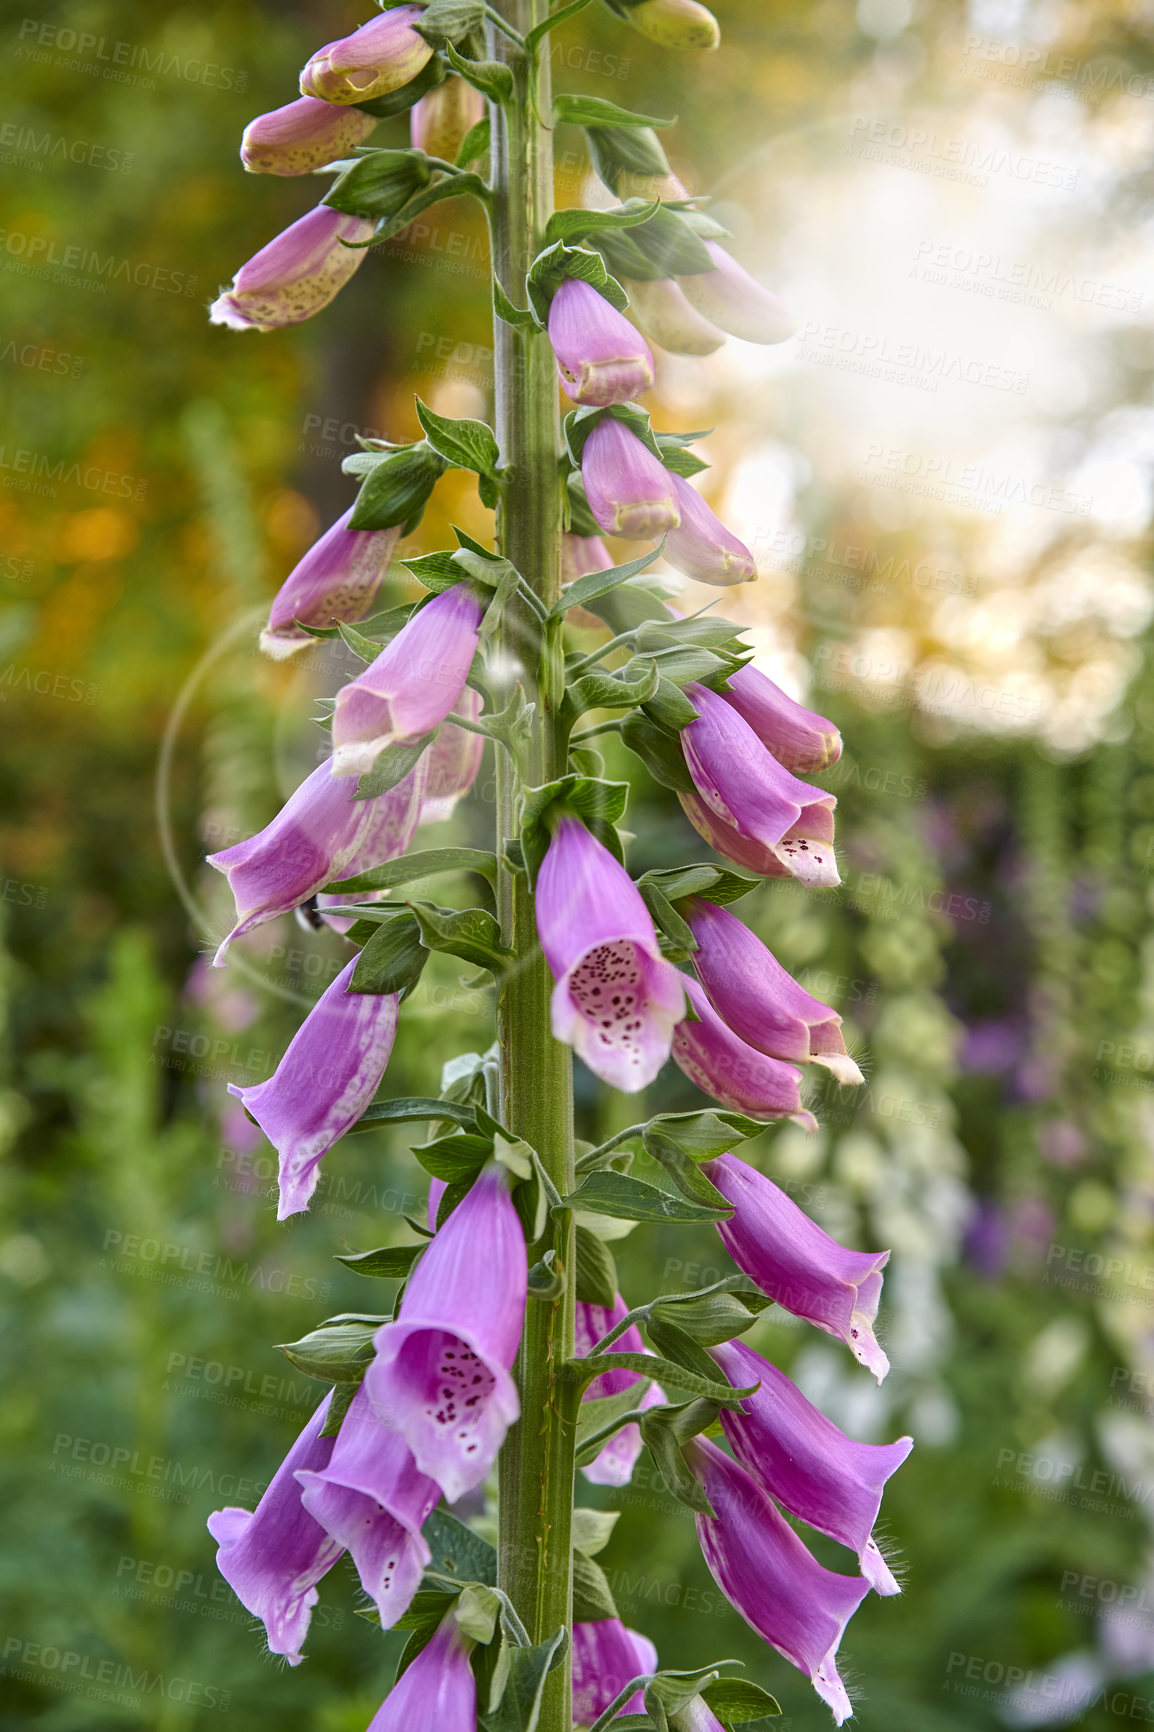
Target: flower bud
<point x="338" y="578"/>
<point x="701" y="547"/>
<point x="798" y="738"/>
<point x="376" y="59"/>
<point x="731" y="299"/>
<point x="676" y="23"/>
<point x="601" y="357"/>
<point x="296" y="275"/>
<point x="301" y="136"/>
<point x="629" y="491"/>
<point x="666" y="317"/>
<point x="441" y="120"/>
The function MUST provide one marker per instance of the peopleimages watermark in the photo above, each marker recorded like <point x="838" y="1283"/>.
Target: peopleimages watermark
<point x="1027" y="65"/>
<point x="104" y="1680"/>
<point x="1059" y="1478"/>
<point x="1120" y="1603"/>
<point x="859" y="565"/>
<point x="1112" y="1277"/>
<point x="42" y="683"/>
<point x="157" y="1476"/>
<point x="945" y="265"/>
<point x="120" y="62"/>
<point x="38" y="472"/>
<point x="24" y="146"/>
<point x="878" y="356"/>
<point x="1046" y="1697"/>
<point x="174" y="1264"/>
<point x="971" y="484"/>
<point x="924" y="150"/>
<point x="39" y="358"/>
<point x="37" y="255"/>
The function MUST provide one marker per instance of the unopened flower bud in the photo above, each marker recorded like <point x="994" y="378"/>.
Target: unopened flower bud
<point x="676" y="23"/>
<point x="731" y="299"/>
<point x="629" y="491"/>
<point x="296" y="275"/>
<point x="301" y="136"/>
<point x="376" y="59"/>
<point x="601" y="357"/>
<point x="338" y="578"/>
<point x="666" y="317"/>
<point x="441" y="120"/>
<point x="701" y="547"/>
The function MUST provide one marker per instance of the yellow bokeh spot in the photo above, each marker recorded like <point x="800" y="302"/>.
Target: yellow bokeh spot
<point x="102" y="533"/>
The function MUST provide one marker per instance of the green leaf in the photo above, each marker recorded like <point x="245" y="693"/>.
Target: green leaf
<point x="716" y="883"/>
<point x="593" y="1529"/>
<point x="396" y="485"/>
<point x="629" y="1199"/>
<point x="474" y="144"/>
<point x="666" y="917"/>
<point x="578" y="425"/>
<point x="677" y="459"/>
<point x="598" y="1412"/>
<point x="663" y="1439"/>
<point x="666" y="1372"/>
<point x="596" y="1271"/>
<point x="451" y="186"/>
<point x="575" y="223"/>
<point x="427" y="1605"/>
<point x="456" y="1157"/>
<point x="595" y="584"/>
<point x="520" y="1705"/>
<point x="595" y="111"/>
<point x="390" y="766"/>
<point x="377" y="185"/>
<point x="674" y="1343"/>
<point x="446" y="21"/>
<point x="470" y="933"/>
<point x="457" y="1551"/>
<point x="397" y="101"/>
<point x="390" y="1262"/>
<point x="491" y="77"/>
<point x="599" y="805"/>
<point x="671" y="245"/>
<point x="626" y="688"/>
<point x="337" y="1351"/>
<point x="427" y="863"/>
<point x="686" y="1175"/>
<point x="522" y="318"/>
<point x="558" y="261"/>
<point x="412" y="1108"/>
<point x="618" y="151"/>
<point x="625" y="258"/>
<point x="560" y="16"/>
<point x="464" y="443"/>
<point x="476" y="1612"/>
<point x="734" y="1701"/>
<point x="671" y="1691"/>
<point x="711" y="1316"/>
<point x="393" y="958"/>
<point x="670" y="708"/>
<point x="592" y="1596"/>
<point x="365" y="647"/>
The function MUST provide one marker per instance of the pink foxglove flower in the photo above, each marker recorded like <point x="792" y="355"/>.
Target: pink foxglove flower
<point x="667" y="318"/>
<point x="372" y="1499"/>
<point x="733" y="301"/>
<point x="301" y="136"/>
<point x="788" y="823"/>
<point x="314" y="838"/>
<point x="801" y="740"/>
<point x="412" y="685"/>
<point x="274" y="1556"/>
<point x="376" y="59"/>
<point x="755" y="997"/>
<point x="793" y="1260"/>
<point x="739" y="1076"/>
<point x="629" y="492"/>
<point x="769" y="1577"/>
<point x="601" y="357"/>
<point x="696" y="1716"/>
<point x="441" y="120"/>
<point x="396" y="815"/>
<point x="607" y="1656"/>
<point x="296" y="275"/>
<point x="803" y="1460"/>
<point x="437" y="1692"/>
<point x="452" y="762"/>
<point x="441" y="1372"/>
<point x="615" y="1463"/>
<point x="337" y="579"/>
<point x="617" y="1000"/>
<point x="327" y="1077"/>
<point x="702" y="548"/>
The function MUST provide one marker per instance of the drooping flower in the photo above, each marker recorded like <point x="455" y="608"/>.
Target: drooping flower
<point x="376" y="59"/>
<point x="273" y="1557"/>
<point x="441" y="120"/>
<point x="781" y="822"/>
<point x="396" y="815"/>
<point x="666" y="317"/>
<point x="616" y="1000"/>
<point x="372" y="1499"/>
<point x="801" y="740"/>
<point x="701" y="547"/>
<point x="734" y="1073"/>
<point x="607" y="1656"/>
<point x="601" y="357"/>
<point x="615" y="1463"/>
<point x="755" y="997"/>
<point x="436" y="1690"/>
<point x="441" y="1372"/>
<point x="337" y="579"/>
<point x="629" y="492"/>
<point x="322" y="1085"/>
<point x="296" y="274"/>
<point x="769" y="1577"/>
<point x="452" y="762"/>
<point x="412" y="685"/>
<point x="803" y="1460"/>
<point x="735" y="302"/>
<point x="313" y="839"/>
<point x="301" y="136"/>
<point x="797" y="1263"/>
<point x="675" y="23"/>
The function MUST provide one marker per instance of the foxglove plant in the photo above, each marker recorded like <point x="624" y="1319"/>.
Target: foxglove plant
<point x="509" y="1359"/>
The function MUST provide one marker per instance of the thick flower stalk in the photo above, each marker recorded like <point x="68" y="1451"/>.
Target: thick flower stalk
<point x="601" y="358"/>
<point x="337" y="579"/>
<point x="617" y="1000"/>
<point x="296" y="274"/>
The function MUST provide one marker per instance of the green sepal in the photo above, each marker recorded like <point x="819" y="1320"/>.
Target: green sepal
<point x="671" y="245"/>
<point x="519" y="1706"/>
<point x="578" y="425"/>
<point x="633" y="605"/>
<point x="491" y="77"/>
<point x="625" y="688"/>
<point x="393" y="958"/>
<point x="397" y="101"/>
<point x="715" y="883"/>
<point x="735" y="1701"/>
<point x="454" y="1193"/>
<point x="576" y="223"/>
<point x="596" y="111"/>
<point x="595" y="584"/>
<point x="596" y="1271"/>
<point x="396" y="485"/>
<point x="390" y="766"/>
<point x="671" y="1691"/>
<point x="341" y="1400"/>
<point x="677" y="459"/>
<point x="407" y="1109"/>
<point x="458" y="1552"/>
<point x="663" y="1431"/>
<point x="456" y="1157"/>
<point x="714" y="1317"/>
<point x="625" y="150"/>
<point x="665" y="1371"/>
<point x="558" y="261"/>
<point x="598" y="804"/>
<point x="625" y="258"/>
<point x="474" y="144"/>
<point x="452" y="186"/>
<point x="378" y="184"/>
<point x="427" y="863"/>
<point x="546" y="1281"/>
<point x="390" y="1262"/>
<point x="463" y="443"/>
<point x="337" y="1350"/>
<point x="470" y="933"/>
<point x="521" y="318"/>
<point x="592" y="1596"/>
<point x="628" y="1199"/>
<point x="446" y="21"/>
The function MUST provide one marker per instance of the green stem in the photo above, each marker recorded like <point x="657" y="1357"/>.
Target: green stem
<point x="536" y="1464"/>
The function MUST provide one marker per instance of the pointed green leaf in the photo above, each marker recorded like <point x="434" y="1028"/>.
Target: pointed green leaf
<point x="390" y="766"/>
<point x="599" y="805"/>
<point x="457" y="1551"/>
<point x="339" y="1404"/>
<point x="596" y="1271"/>
<point x="396" y="485"/>
<point x="666" y="917"/>
<point x="575" y="224"/>
<point x="659" y="750"/>
<point x="595" y="584"/>
<point x="670" y="708"/>
<point x="735" y="1701"/>
<point x="392" y="959"/>
<point x="456" y="1157"/>
<point x="425" y="864"/>
<point x="491" y="77"/>
<point x="411" y="1108"/>
<point x="390" y="1262"/>
<point x="474" y="144"/>
<point x="522" y="318"/>
<point x="596" y="111"/>
<point x="560" y="16"/>
<point x="476" y="1612"/>
<point x="664" y="1446"/>
<point x="664" y="1371"/>
<point x="619" y="151"/>
<point x="379" y="183"/>
<point x="470" y="933"/>
<point x="674" y="1343"/>
<point x="362" y="646"/>
<point x="452" y="186"/>
<point x="592" y="1596"/>
<point x="626" y="688"/>
<point x="467" y="444"/>
<point x="520" y="1706"/>
<point x="629" y="1199"/>
<point x="593" y="1529"/>
<point x="337" y="1351"/>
